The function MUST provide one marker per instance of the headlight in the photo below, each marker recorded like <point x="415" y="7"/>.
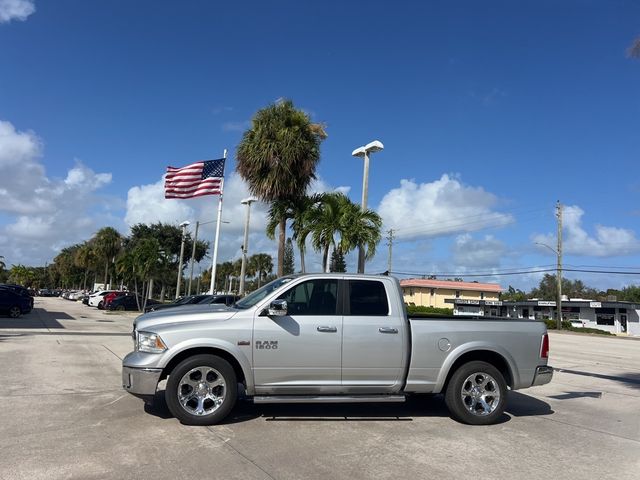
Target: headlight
<point x="150" y="343"/>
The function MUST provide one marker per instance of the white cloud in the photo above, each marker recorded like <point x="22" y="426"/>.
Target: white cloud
<point x="15" y="10"/>
<point x="43" y="214"/>
<point x="477" y="253"/>
<point x="443" y="207"/>
<point x="607" y="242"/>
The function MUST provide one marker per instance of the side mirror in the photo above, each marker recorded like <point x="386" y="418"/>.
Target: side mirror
<point x="278" y="308"/>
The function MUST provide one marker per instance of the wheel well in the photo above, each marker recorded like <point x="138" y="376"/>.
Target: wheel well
<point x="488" y="356"/>
<point x="207" y="351"/>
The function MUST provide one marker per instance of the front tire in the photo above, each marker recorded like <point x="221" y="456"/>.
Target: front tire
<point x="476" y="394"/>
<point x="15" y="312"/>
<point x="201" y="390"/>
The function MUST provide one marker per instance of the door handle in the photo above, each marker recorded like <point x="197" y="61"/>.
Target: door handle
<point x="327" y="329"/>
<point x="387" y="330"/>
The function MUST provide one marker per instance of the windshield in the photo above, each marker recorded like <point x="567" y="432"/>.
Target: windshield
<point x="253" y="298"/>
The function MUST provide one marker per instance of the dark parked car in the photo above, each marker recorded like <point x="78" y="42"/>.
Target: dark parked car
<point x="188" y="300"/>
<point x="19" y="289"/>
<point x="14" y="304"/>
<point x="128" y="302"/>
<point x="108" y="298"/>
<point x="227" y="300"/>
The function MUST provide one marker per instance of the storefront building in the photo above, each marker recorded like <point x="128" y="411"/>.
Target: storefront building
<point x="442" y="293"/>
<point x="614" y="317"/>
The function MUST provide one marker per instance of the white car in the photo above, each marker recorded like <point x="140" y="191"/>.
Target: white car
<point x="96" y="298"/>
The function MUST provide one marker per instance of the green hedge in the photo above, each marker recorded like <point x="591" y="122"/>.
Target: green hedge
<point x="566" y="325"/>
<point x="412" y="310"/>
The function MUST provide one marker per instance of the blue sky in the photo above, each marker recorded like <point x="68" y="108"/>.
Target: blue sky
<point x="489" y="113"/>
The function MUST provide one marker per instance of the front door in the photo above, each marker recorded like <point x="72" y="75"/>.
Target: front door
<point x="301" y="351"/>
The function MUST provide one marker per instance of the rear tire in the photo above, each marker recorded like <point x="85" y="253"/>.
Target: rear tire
<point x="476" y="394"/>
<point x="100" y="305"/>
<point x="120" y="308"/>
<point x="201" y="390"/>
<point x="15" y="312"/>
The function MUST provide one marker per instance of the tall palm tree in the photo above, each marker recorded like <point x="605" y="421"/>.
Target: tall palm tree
<point x="2" y="264"/>
<point x="108" y="242"/>
<point x="277" y="157"/>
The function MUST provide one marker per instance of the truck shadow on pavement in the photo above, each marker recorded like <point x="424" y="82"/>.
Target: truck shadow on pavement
<point x="518" y="405"/>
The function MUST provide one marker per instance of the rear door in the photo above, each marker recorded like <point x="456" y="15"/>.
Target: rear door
<point x="373" y="343"/>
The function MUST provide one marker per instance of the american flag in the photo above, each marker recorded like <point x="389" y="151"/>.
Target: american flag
<point x="195" y="180"/>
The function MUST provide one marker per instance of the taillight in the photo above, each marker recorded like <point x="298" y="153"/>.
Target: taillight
<point x="544" y="349"/>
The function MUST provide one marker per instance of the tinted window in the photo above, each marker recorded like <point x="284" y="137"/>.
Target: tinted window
<point x="367" y="297"/>
<point x="314" y="297"/>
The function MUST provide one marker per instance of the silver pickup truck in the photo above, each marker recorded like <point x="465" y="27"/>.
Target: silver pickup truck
<point x="330" y="338"/>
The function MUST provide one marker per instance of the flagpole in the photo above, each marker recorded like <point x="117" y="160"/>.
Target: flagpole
<point x="215" y="242"/>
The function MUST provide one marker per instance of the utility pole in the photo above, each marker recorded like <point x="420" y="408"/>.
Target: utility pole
<point x="390" y="238"/>
<point x="559" y="272"/>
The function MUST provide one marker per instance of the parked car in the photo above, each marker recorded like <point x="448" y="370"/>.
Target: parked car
<point x="227" y="300"/>
<point x="188" y="300"/>
<point x="95" y="299"/>
<point x="106" y="300"/>
<point x="21" y="291"/>
<point x="331" y="338"/>
<point x="13" y="303"/>
<point x="128" y="302"/>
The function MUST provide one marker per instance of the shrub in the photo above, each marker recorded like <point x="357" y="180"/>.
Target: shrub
<point x="413" y="310"/>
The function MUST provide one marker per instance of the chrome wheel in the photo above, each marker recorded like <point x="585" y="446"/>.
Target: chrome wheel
<point x="480" y="394"/>
<point x="201" y="391"/>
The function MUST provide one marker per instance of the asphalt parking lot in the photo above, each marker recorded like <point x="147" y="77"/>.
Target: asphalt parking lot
<point x="63" y="414"/>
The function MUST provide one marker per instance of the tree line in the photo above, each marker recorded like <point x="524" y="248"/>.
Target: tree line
<point x="547" y="289"/>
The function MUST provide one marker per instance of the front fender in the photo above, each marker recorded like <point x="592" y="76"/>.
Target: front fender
<point x="460" y="350"/>
<point x="228" y="347"/>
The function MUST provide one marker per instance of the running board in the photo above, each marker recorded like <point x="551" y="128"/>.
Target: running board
<point x="330" y="399"/>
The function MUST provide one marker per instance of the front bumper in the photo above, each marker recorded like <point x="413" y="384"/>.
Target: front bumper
<point x="543" y="375"/>
<point x="141" y="382"/>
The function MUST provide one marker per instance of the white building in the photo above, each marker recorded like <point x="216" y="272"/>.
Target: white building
<point x="614" y="317"/>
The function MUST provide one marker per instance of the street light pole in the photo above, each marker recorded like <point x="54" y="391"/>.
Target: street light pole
<point x="184" y="226"/>
<point x="363" y="152"/>
<point x="245" y="245"/>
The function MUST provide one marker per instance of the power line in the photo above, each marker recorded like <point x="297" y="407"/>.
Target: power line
<point x="523" y="272"/>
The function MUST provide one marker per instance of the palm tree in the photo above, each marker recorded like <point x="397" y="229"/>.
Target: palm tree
<point x="359" y="228"/>
<point x="262" y="264"/>
<point x="108" y="242"/>
<point x="277" y="157"/>
<point x="86" y="258"/>
<point x="324" y="221"/>
<point x="335" y="215"/>
<point x="2" y="264"/>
